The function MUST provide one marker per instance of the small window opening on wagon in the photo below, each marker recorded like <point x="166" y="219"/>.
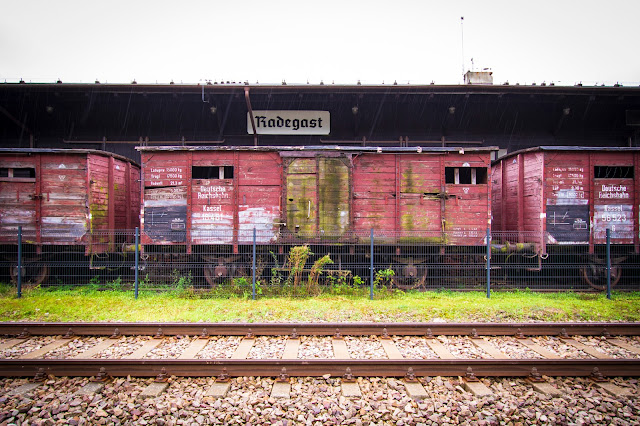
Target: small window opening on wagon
<point x="18" y="172"/>
<point x="613" y="172"/>
<point x="465" y="175"/>
<point x="212" y="172"/>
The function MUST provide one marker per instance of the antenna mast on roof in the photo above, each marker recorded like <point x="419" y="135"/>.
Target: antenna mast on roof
<point x="462" y="43"/>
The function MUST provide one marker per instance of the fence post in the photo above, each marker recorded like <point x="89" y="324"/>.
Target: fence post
<point x="488" y="263"/>
<point x="253" y="267"/>
<point x="19" y="266"/>
<point x="608" y="263"/>
<point x="371" y="267"/>
<point x="136" y="262"/>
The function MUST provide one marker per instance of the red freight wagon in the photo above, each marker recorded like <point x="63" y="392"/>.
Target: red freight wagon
<point x="65" y="197"/>
<point x="195" y="197"/>
<point x="568" y="196"/>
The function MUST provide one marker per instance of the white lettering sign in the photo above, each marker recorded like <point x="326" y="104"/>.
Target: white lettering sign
<point x="290" y="122"/>
<point x="613" y="192"/>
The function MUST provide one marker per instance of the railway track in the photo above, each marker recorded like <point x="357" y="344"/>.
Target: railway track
<point x="406" y="350"/>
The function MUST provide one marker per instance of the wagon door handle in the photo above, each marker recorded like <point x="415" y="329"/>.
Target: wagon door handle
<point x="309" y="210"/>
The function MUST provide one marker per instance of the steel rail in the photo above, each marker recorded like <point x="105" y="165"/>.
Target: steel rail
<point x="319" y="329"/>
<point x="320" y="367"/>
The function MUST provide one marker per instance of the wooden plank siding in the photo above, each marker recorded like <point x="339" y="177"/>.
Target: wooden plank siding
<point x="333" y="195"/>
<point x="164" y="199"/>
<point x="563" y="198"/>
<point x="374" y="189"/>
<point x="312" y="192"/>
<point x="63" y="205"/>
<point x="467" y="207"/>
<point x="259" y="196"/>
<point x="614" y="201"/>
<point x="302" y="195"/>
<point x="72" y="193"/>
<point x="18" y="200"/>
<point x="183" y="208"/>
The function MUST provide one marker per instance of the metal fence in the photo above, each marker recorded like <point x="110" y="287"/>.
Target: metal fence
<point x="257" y="263"/>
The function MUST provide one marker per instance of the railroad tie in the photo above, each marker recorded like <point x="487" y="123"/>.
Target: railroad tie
<point x="291" y="348"/>
<point x="546" y="389"/>
<point x="39" y="353"/>
<point x="478" y="389"/>
<point x="148" y="346"/>
<point x="624" y="345"/>
<point x="90" y="388"/>
<point x="340" y="350"/>
<point x="414" y="388"/>
<point x="218" y="390"/>
<point x="153" y="390"/>
<point x="350" y="389"/>
<point x="585" y="348"/>
<point x="10" y="343"/>
<point x="282" y="386"/>
<point x="489" y="348"/>
<point x="194" y="347"/>
<point x="441" y="350"/>
<point x="391" y="349"/>
<point x="243" y="349"/>
<point x="22" y="390"/>
<point x="614" y="390"/>
<point x="539" y="349"/>
<point x="281" y="390"/>
<point x="96" y="349"/>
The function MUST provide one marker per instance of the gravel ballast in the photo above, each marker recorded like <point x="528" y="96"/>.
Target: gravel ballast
<point x="316" y="401"/>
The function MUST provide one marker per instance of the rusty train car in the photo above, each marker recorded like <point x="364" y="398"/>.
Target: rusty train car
<point x="196" y="197"/>
<point x="66" y="201"/>
<point x="561" y="200"/>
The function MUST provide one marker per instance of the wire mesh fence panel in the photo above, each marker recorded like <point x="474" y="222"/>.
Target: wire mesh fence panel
<point x="222" y="264"/>
<point x="92" y="258"/>
<point x="530" y="260"/>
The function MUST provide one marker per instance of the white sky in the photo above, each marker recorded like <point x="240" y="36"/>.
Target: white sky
<point x="344" y="41"/>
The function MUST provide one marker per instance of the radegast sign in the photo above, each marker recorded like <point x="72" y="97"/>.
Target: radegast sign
<point x="290" y="122"/>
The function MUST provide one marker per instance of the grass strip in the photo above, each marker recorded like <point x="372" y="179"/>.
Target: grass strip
<point x="86" y="305"/>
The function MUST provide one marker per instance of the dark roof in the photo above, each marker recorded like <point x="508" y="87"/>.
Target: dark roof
<point x="118" y="116"/>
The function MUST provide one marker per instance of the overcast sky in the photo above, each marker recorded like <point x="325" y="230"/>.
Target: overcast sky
<point x="343" y="41"/>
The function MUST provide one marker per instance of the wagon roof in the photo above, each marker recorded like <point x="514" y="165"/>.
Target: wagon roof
<point x="18" y="151"/>
<point x="347" y="149"/>
<point x="570" y="148"/>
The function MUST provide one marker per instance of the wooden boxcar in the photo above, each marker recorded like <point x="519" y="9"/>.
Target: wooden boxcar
<point x="195" y="197"/>
<point x="70" y="198"/>
<point x="559" y="196"/>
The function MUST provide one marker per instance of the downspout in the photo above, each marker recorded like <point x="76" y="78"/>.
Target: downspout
<point x="253" y="122"/>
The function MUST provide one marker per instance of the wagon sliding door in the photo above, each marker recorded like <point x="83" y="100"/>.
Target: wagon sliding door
<point x="317" y="195"/>
<point x="20" y="198"/>
<point x="613" y="199"/>
<point x="165" y="199"/>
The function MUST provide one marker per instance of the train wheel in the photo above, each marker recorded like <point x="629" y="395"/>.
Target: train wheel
<point x="33" y="273"/>
<point x="216" y="272"/>
<point x="410" y="277"/>
<point x="595" y="275"/>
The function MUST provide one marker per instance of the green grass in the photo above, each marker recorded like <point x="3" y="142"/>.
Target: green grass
<point x="90" y="304"/>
